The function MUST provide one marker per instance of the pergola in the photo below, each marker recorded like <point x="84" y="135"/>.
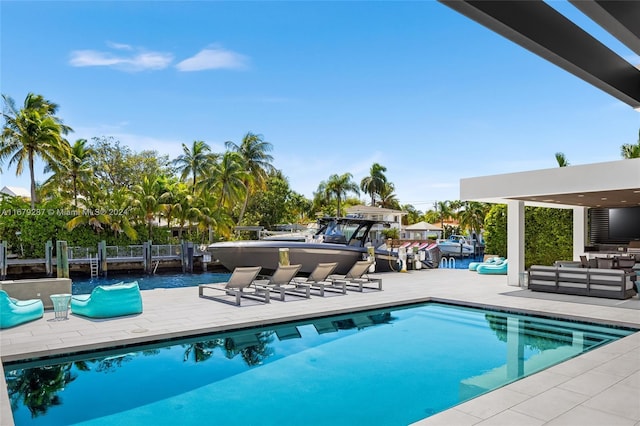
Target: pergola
<point x="538" y="27"/>
<point x="610" y="184"/>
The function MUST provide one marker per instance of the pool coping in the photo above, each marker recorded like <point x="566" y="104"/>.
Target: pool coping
<point x="422" y="286"/>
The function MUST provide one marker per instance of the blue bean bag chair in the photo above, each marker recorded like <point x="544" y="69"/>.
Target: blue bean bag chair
<point x="495" y="269"/>
<point x="15" y="312"/>
<point x="106" y="301"/>
<point x="473" y="266"/>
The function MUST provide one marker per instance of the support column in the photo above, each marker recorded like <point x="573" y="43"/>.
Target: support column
<point x="102" y="258"/>
<point x="515" y="241"/>
<point x="580" y="215"/>
<point x="147" y="258"/>
<point x="3" y="260"/>
<point x="48" y="258"/>
<point x="62" y="259"/>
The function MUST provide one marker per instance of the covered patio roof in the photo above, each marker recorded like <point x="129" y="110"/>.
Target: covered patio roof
<point x="609" y="184"/>
<point x="538" y="27"/>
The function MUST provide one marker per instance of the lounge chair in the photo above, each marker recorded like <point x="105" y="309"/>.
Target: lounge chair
<point x="106" y="301"/>
<point x="317" y="280"/>
<point x="15" y="312"/>
<point x="238" y="285"/>
<point x="355" y="279"/>
<point x="281" y="282"/>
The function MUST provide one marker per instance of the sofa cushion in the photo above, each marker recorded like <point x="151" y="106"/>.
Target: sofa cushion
<point x="109" y="301"/>
<point x="15" y="312"/>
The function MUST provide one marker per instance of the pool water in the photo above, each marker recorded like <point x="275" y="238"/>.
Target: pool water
<point x="383" y="367"/>
<point x="149" y="282"/>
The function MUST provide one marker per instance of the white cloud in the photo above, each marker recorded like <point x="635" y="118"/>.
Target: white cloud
<point x="119" y="46"/>
<point x="138" y="60"/>
<point x="214" y="58"/>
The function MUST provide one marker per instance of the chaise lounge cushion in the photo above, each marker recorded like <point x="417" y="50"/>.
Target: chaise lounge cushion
<point x="109" y="301"/>
<point x="15" y="312"/>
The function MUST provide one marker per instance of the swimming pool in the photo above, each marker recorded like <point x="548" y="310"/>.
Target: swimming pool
<point x="384" y="367"/>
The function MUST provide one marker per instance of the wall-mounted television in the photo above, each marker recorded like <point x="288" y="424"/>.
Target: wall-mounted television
<point x="624" y="223"/>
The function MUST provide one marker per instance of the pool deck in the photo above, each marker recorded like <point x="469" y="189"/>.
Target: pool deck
<point x="600" y="387"/>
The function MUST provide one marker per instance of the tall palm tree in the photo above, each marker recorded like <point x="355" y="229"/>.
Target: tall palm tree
<point x="76" y="168"/>
<point x="194" y="161"/>
<point x="561" y="159"/>
<point x="629" y="151"/>
<point x="30" y="132"/>
<point x="374" y="183"/>
<point x="339" y="186"/>
<point x="228" y="180"/>
<point x="253" y="151"/>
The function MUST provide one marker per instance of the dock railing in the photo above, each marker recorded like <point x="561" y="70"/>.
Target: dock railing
<point x="127" y="252"/>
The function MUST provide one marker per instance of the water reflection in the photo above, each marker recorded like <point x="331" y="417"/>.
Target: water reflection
<point x="37" y="388"/>
<point x="40" y="388"/>
<point x="531" y="346"/>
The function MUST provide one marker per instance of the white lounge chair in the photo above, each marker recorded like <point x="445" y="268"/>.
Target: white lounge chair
<point x="355" y="280"/>
<point x="238" y="285"/>
<point x="281" y="282"/>
<point x="317" y="280"/>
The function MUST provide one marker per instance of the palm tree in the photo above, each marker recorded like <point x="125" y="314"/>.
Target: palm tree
<point x="185" y="210"/>
<point x="120" y="202"/>
<point x="76" y="168"/>
<point x="374" y="183"/>
<point x="194" y="161"/>
<point x="253" y="151"/>
<point x="561" y="159"/>
<point x="629" y="151"/>
<point x="30" y="132"/>
<point x="444" y="211"/>
<point x="388" y="199"/>
<point x="472" y="216"/>
<point x="147" y="200"/>
<point x="228" y="179"/>
<point x="172" y="192"/>
<point x="339" y="186"/>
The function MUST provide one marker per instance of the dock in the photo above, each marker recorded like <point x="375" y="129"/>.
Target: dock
<point x="86" y="261"/>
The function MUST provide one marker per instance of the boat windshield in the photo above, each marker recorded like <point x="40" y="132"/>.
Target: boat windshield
<point x="343" y="231"/>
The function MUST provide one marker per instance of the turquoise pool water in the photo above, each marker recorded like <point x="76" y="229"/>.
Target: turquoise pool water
<point x="383" y="367"/>
<point x="149" y="282"/>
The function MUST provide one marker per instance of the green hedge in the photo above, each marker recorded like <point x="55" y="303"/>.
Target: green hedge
<point x="27" y="230"/>
<point x="548" y="234"/>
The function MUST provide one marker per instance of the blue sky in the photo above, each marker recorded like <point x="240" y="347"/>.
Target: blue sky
<point x="334" y="86"/>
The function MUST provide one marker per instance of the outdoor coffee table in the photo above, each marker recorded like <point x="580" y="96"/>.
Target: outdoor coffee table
<point x="60" y="305"/>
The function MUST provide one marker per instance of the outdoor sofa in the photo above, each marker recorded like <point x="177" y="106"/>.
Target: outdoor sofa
<point x="608" y="283"/>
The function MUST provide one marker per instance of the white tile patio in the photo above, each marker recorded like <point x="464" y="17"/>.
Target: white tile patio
<point x="600" y="387"/>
